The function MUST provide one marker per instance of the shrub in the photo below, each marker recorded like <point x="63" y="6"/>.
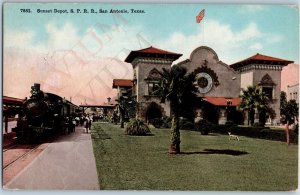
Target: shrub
<point x="186" y="124"/>
<point x="204" y="126"/>
<point x="137" y="127"/>
<point x="166" y="122"/>
<point x="156" y="122"/>
<point x="230" y="123"/>
<point x="257" y="132"/>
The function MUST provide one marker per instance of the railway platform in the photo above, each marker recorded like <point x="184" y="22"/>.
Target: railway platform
<point x="68" y="163"/>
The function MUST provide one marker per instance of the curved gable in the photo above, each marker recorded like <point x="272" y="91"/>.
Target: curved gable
<point x="266" y="80"/>
<point x="225" y="80"/>
<point x="204" y="49"/>
<point x="154" y="74"/>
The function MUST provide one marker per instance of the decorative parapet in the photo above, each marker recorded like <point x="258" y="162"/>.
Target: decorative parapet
<point x="152" y="61"/>
<point x="260" y="67"/>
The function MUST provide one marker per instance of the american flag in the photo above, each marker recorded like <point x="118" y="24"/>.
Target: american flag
<point x="200" y="16"/>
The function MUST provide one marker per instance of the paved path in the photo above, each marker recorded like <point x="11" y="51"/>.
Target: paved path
<point x="68" y="163"/>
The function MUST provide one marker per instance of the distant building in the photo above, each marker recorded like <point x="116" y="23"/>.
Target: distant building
<point x="293" y="93"/>
<point x="219" y="84"/>
<point x="105" y="109"/>
<point x="121" y="85"/>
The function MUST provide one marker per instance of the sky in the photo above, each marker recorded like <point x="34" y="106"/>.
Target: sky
<point x="76" y="55"/>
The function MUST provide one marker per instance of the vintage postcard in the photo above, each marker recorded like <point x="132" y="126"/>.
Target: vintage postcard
<point x="184" y="97"/>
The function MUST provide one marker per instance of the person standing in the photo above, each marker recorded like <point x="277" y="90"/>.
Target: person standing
<point x="87" y="124"/>
<point x="81" y="120"/>
<point x="73" y="124"/>
<point x="90" y="122"/>
<point x="290" y="124"/>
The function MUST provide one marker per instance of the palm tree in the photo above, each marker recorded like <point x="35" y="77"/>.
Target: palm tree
<point x="126" y="105"/>
<point x="177" y="87"/>
<point x="254" y="98"/>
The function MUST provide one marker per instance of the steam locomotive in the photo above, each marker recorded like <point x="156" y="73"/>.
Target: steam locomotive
<point x="42" y="115"/>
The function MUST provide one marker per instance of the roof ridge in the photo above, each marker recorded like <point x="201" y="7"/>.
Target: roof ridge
<point x="262" y="57"/>
<point x="155" y="48"/>
<point x="152" y="50"/>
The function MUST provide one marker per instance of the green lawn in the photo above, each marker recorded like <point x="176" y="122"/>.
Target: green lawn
<point x="208" y="163"/>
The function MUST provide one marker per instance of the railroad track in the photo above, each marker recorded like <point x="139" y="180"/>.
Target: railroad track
<point x="9" y="147"/>
<point x="23" y="154"/>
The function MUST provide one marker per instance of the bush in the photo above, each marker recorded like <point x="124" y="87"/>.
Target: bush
<point x="156" y="122"/>
<point x="204" y="126"/>
<point x="137" y="127"/>
<point x="186" y="124"/>
<point x="257" y="132"/>
<point x="166" y="122"/>
<point x="230" y="123"/>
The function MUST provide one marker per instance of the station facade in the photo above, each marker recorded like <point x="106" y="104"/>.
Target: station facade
<point x="219" y="84"/>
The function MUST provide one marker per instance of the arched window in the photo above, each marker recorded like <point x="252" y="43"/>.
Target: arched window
<point x="268" y="86"/>
<point x="152" y="82"/>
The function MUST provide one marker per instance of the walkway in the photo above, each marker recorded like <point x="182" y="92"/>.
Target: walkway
<point x="67" y="163"/>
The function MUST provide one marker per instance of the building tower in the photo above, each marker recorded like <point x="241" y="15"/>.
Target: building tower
<point x="146" y="65"/>
<point x="264" y="71"/>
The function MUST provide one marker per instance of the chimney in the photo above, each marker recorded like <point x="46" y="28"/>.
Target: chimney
<point x="108" y="100"/>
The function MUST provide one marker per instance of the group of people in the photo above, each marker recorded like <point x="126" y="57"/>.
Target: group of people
<point x="84" y="120"/>
<point x="70" y="124"/>
<point x="87" y="122"/>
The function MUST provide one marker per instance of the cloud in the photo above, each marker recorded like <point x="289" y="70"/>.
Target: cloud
<point x="273" y="38"/>
<point x="61" y="38"/>
<point x="219" y="36"/>
<point x="256" y="46"/>
<point x="82" y="64"/>
<point x="19" y="39"/>
<point x="58" y="38"/>
<point x="251" y="31"/>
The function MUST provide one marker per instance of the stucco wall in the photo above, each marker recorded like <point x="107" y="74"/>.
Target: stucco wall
<point x="143" y="71"/>
<point x="229" y="80"/>
<point x="246" y="79"/>
<point x="276" y="77"/>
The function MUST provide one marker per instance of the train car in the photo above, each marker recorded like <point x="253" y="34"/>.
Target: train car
<point x="41" y="116"/>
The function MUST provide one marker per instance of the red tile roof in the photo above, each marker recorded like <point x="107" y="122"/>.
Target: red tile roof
<point x="151" y="52"/>
<point x="155" y="50"/>
<point x="122" y="83"/>
<point x="264" y="59"/>
<point x="222" y="101"/>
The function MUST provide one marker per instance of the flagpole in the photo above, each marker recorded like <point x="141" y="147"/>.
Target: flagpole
<point x="199" y="18"/>
<point x="203" y="23"/>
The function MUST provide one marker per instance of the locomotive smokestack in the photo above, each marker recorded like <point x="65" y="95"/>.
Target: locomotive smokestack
<point x="37" y="86"/>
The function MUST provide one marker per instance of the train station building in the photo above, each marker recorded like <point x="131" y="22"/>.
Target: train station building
<point x="219" y="84"/>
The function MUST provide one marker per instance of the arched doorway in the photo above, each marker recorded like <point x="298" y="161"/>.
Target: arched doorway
<point x="234" y="115"/>
<point x="154" y="111"/>
<point x="210" y="113"/>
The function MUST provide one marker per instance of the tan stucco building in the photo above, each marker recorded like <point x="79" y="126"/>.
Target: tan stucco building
<point x="219" y="84"/>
